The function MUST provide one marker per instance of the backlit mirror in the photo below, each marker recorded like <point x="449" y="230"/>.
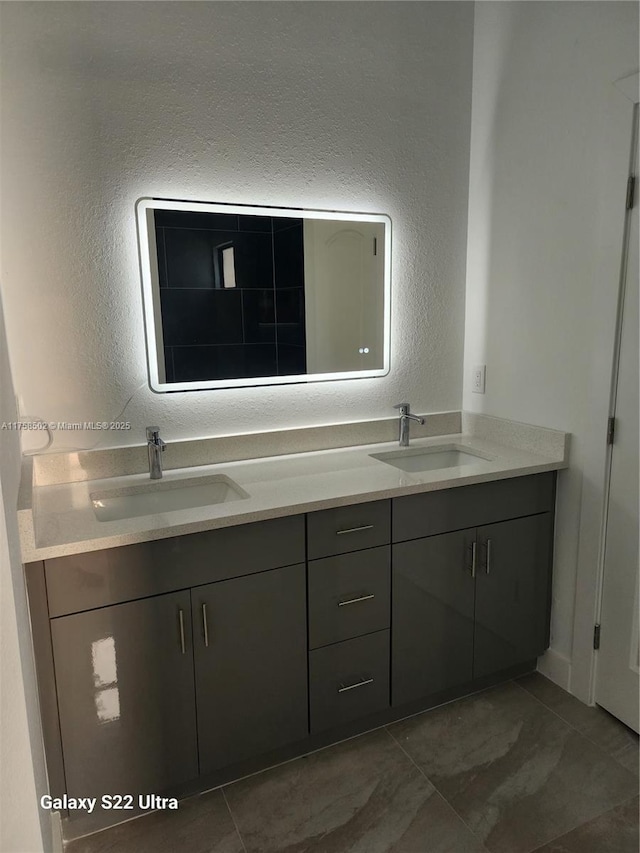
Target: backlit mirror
<point x="237" y="295"/>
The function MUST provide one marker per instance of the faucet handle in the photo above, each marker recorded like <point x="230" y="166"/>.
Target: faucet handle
<point x="405" y="408"/>
<point x="153" y="435"/>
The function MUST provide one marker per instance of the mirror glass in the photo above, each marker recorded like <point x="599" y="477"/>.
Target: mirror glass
<point x="238" y="295"/>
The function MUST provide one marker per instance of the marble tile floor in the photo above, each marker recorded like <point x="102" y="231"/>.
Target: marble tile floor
<point x="520" y="768"/>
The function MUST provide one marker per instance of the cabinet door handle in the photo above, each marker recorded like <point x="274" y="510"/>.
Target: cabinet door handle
<point x="354" y="529"/>
<point x="474" y="549"/>
<point x="356" y="600"/>
<point x="344" y="687"/>
<point x="205" y="627"/>
<point x="181" y="622"/>
<point x="487" y="565"/>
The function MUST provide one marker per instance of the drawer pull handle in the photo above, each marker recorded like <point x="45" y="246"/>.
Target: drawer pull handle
<point x="181" y="622"/>
<point x="487" y="566"/>
<point x="205" y="627"/>
<point x="473" y="559"/>
<point x="356" y="600"/>
<point x="343" y="688"/>
<point x="354" y="529"/>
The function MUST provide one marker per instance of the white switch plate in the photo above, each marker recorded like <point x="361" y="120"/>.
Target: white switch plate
<point x="479" y="378"/>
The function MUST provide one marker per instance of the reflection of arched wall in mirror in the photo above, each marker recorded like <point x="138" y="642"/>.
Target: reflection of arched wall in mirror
<point x="240" y="296"/>
<point x="344" y="264"/>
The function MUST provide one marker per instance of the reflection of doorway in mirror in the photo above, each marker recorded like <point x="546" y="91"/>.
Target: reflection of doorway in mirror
<point x="344" y="304"/>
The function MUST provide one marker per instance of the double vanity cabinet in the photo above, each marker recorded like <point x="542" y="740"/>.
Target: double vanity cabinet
<point x="164" y="663"/>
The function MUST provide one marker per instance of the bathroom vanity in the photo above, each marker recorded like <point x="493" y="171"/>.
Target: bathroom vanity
<point x="177" y="663"/>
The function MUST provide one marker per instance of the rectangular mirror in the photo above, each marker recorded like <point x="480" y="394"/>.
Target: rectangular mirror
<point x="239" y="296"/>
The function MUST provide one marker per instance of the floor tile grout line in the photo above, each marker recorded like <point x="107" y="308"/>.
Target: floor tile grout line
<point x="580" y="825"/>
<point x="568" y="724"/>
<point x="597" y="746"/>
<point x="621" y="764"/>
<point x="436" y="789"/>
<point x="233" y="818"/>
<point x="571" y="726"/>
<point x="571" y="696"/>
<point x="628" y="748"/>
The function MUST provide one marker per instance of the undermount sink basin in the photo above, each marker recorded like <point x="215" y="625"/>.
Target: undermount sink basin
<point x="430" y="458"/>
<point x="160" y="496"/>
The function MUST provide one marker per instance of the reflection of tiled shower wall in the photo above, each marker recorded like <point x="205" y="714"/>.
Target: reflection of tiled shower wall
<point x="215" y="331"/>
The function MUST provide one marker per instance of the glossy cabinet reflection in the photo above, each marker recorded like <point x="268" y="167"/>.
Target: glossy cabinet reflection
<point x="472" y="602"/>
<point x="433" y="601"/>
<point x="250" y="656"/>
<point x="512" y="593"/>
<point x="125" y="684"/>
<point x="128" y="699"/>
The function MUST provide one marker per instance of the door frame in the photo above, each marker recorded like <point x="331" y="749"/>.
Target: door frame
<point x="580" y="676"/>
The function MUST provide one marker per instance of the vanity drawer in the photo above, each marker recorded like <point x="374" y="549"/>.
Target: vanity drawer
<point x="349" y="595"/>
<point x="348" y="680"/>
<point x="348" y="528"/>
<point x="443" y="511"/>
<point x="99" y="578"/>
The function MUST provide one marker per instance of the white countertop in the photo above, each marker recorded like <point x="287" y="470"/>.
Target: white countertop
<point x="60" y="519"/>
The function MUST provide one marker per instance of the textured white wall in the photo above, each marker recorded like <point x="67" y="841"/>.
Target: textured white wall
<point x="350" y="106"/>
<point x="550" y="146"/>
<point x="22" y="773"/>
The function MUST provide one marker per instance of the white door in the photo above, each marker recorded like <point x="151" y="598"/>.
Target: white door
<point x="617" y="682"/>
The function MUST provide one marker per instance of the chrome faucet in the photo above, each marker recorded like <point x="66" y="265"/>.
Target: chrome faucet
<point x="405" y="417"/>
<point x="155" y="446"/>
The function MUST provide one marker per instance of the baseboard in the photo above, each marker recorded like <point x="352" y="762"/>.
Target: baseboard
<point x="556" y="668"/>
<point x="56" y="833"/>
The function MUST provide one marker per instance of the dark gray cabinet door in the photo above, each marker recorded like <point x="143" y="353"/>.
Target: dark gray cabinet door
<point x="512" y="593"/>
<point x="250" y="654"/>
<point x="432" y="615"/>
<point x="125" y="688"/>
